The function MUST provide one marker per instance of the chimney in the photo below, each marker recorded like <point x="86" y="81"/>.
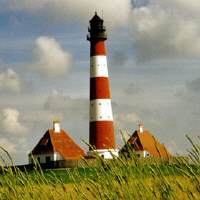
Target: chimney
<point x="141" y="128"/>
<point x="56" y="126"/>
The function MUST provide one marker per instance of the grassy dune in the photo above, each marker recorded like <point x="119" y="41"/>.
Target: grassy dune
<point x="115" y="179"/>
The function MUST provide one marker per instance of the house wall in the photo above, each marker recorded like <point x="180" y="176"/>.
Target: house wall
<point x="57" y="157"/>
<point x="42" y="157"/>
<point x="143" y="154"/>
<point x="146" y="154"/>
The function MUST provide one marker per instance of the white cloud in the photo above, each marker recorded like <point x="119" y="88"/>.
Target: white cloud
<point x="164" y="29"/>
<point x="192" y="5"/>
<point x="161" y="29"/>
<point x="10" y="81"/>
<point x="130" y="117"/>
<point x="10" y="122"/>
<point x="115" y="11"/>
<point x="49" y="58"/>
<point x="42" y="117"/>
<point x="85" y="8"/>
<point x="56" y="101"/>
<point x="122" y="119"/>
<point x="61" y="104"/>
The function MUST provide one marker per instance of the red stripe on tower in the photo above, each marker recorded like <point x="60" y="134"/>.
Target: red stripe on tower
<point x="102" y="136"/>
<point x="99" y="88"/>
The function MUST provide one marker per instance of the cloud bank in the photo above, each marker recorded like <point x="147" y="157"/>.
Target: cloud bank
<point x="69" y="9"/>
<point x="10" y="81"/>
<point x="166" y="29"/>
<point x="159" y="29"/>
<point x="10" y="122"/>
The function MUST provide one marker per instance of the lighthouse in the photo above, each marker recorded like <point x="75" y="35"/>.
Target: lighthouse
<point x="101" y="126"/>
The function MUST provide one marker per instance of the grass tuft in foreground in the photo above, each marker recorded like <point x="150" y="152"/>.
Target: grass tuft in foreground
<point x="120" y="178"/>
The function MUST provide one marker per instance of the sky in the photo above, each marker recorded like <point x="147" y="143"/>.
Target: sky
<point x="153" y="60"/>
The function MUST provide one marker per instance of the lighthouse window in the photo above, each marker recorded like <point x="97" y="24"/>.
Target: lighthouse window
<point x="100" y="117"/>
<point x="100" y="104"/>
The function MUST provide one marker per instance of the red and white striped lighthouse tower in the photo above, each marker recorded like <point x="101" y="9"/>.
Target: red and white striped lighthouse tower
<point x="102" y="136"/>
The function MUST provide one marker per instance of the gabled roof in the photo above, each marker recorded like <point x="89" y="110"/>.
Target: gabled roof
<point x="58" y="142"/>
<point x="145" y="141"/>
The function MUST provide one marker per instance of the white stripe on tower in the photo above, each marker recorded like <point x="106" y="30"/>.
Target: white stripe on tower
<point x="98" y="66"/>
<point x="101" y="110"/>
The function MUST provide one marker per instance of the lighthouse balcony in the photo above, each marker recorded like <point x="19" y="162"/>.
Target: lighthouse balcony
<point x="96" y="36"/>
<point x="104" y="153"/>
<point x="97" y="28"/>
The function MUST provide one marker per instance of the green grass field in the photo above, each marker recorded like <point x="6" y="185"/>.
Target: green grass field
<point x="114" y="179"/>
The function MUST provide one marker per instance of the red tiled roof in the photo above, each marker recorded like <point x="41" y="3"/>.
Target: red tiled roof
<point x="59" y="142"/>
<point x="146" y="141"/>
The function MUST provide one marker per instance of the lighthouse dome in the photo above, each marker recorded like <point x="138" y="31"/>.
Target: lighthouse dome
<point x="96" y="18"/>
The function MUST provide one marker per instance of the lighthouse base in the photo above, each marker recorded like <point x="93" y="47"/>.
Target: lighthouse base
<point x="104" y="153"/>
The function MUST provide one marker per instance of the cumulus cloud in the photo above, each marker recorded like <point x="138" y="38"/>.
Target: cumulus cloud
<point x="56" y="101"/>
<point x="70" y="107"/>
<point x="185" y="5"/>
<point x="70" y="9"/>
<point x="10" y="81"/>
<point x="161" y="29"/>
<point x="123" y="119"/>
<point x="59" y="102"/>
<point x="41" y="118"/>
<point x="167" y="29"/>
<point x="10" y="122"/>
<point x="49" y="58"/>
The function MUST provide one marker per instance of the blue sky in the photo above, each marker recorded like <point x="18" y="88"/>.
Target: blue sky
<point x="153" y="58"/>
